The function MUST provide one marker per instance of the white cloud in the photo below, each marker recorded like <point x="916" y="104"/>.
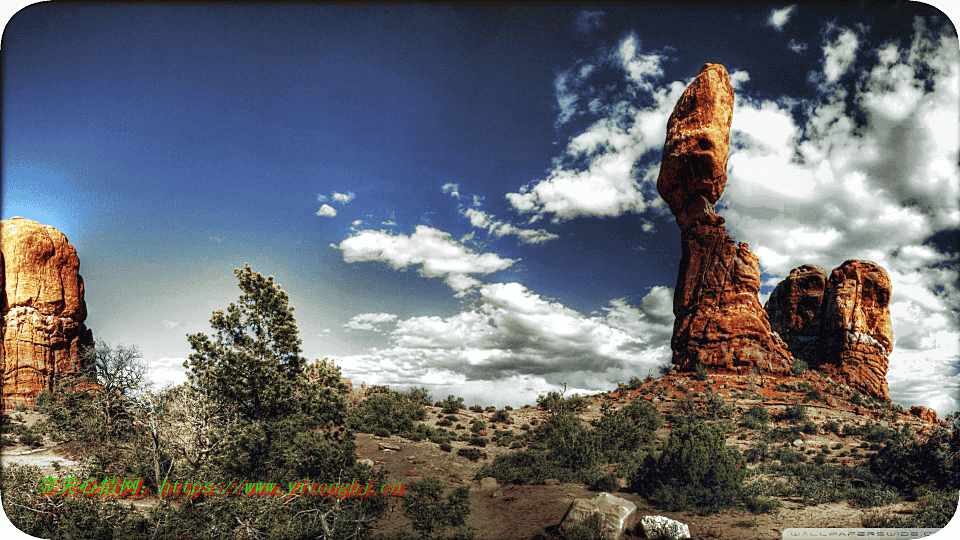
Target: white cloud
<point x="327" y="211"/>
<point x="167" y="371"/>
<point x="452" y="189"/>
<point x="643" y="69"/>
<point x="779" y="17"/>
<point x="343" y="197"/>
<point x="369" y="321"/>
<point x="515" y="340"/>
<point x="798" y="47"/>
<point x="483" y="220"/>
<point x="839" y="54"/>
<point x="437" y="253"/>
<point x="588" y="21"/>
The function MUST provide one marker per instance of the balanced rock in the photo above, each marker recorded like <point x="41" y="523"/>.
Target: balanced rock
<point x="42" y="334"/>
<point x="839" y="325"/>
<point x="693" y="172"/>
<point x="719" y="320"/>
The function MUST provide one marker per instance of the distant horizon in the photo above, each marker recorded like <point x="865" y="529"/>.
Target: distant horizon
<point x="463" y="198"/>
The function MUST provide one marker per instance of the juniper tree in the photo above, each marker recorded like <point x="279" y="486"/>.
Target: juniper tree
<point x="275" y="413"/>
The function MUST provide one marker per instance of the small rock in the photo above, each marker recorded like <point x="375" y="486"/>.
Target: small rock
<point x="798" y="443"/>
<point x="390" y="447"/>
<point x="551" y="481"/>
<point x="366" y="462"/>
<point x="663" y="527"/>
<point x="496" y="494"/>
<point x="488" y="482"/>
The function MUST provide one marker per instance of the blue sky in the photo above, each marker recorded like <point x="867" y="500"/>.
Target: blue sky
<point x="464" y="199"/>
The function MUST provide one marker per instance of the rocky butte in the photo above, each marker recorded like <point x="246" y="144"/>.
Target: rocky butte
<point x="839" y="324"/>
<point x="43" y="310"/>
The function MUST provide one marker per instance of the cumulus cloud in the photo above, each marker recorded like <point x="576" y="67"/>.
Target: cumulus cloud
<point x="779" y="17"/>
<point x="435" y="251"/>
<point x="839" y="54"/>
<point x="483" y="220"/>
<point x="369" y="321"/>
<point x="597" y="174"/>
<point x="452" y="189"/>
<point x="343" y="197"/>
<point x="588" y="21"/>
<point x="327" y="211"/>
<point x="515" y="337"/>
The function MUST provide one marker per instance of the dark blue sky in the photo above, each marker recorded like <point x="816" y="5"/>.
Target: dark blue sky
<point x="464" y="197"/>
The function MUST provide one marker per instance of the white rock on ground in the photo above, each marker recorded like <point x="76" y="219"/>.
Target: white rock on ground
<point x="615" y="513"/>
<point x="663" y="527"/>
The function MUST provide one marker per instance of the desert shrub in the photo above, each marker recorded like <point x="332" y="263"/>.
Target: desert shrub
<point x="813" y="395"/>
<point x="761" y="505"/>
<point x="571" y="444"/>
<point x="756" y="453"/>
<point x="477" y="425"/>
<point x="451" y="405"/>
<point x="555" y="404"/>
<point x="428" y="509"/>
<point x="755" y="417"/>
<point x="907" y="464"/>
<point x="479" y="441"/>
<point x="524" y="467"/>
<point x="700" y="373"/>
<point x="502" y="416"/>
<point x="623" y="432"/>
<point x="795" y="413"/>
<point x="476" y="408"/>
<point x="446" y="447"/>
<point x="799" y="367"/>
<point x="598" y="480"/>
<point x="392" y="411"/>
<point x="470" y="453"/>
<point x="695" y="470"/>
<point x="871" y="495"/>
<point x="444" y="422"/>
<point x="590" y="528"/>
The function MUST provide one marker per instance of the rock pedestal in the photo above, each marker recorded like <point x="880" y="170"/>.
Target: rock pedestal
<point x="719" y="320"/>
<point x="43" y="309"/>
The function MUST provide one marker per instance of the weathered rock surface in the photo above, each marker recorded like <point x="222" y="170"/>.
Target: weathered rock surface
<point x="795" y="307"/>
<point x="43" y="309"/>
<point x="663" y="527"/>
<point x="616" y="514"/>
<point x="719" y="320"/>
<point x="925" y="414"/>
<point x="839" y="325"/>
<point x="693" y="172"/>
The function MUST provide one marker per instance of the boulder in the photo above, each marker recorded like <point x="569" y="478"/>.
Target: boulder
<point x="925" y="414"/>
<point x="720" y="322"/>
<point x="488" y="482"/>
<point x="615" y="513"/>
<point x="693" y="171"/>
<point x="43" y="308"/>
<point x="662" y="528"/>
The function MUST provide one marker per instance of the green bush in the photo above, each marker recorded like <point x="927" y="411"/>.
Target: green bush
<point x="795" y="413"/>
<point x="623" y="432"/>
<point x="695" y="470"/>
<point x="700" y="373"/>
<point x="391" y="411"/>
<point x="571" y="444"/>
<point x="590" y="528"/>
<point x="502" y="416"/>
<point x="470" y="453"/>
<point x="452" y="404"/>
<point x="429" y="510"/>
<point x="756" y="417"/>
<point x="799" y="367"/>
<point x="477" y="425"/>
<point x="524" y="467"/>
<point x="907" y="464"/>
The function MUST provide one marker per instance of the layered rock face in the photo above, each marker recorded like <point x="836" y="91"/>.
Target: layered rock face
<point x="719" y="320"/>
<point x="839" y="325"/>
<point x="43" y="310"/>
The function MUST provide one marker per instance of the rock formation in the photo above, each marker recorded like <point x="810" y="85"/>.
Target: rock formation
<point x="43" y="310"/>
<point x="719" y="320"/>
<point x="841" y="325"/>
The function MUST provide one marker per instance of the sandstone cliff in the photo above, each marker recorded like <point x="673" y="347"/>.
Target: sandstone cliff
<point x="719" y="320"/>
<point x="43" y="309"/>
